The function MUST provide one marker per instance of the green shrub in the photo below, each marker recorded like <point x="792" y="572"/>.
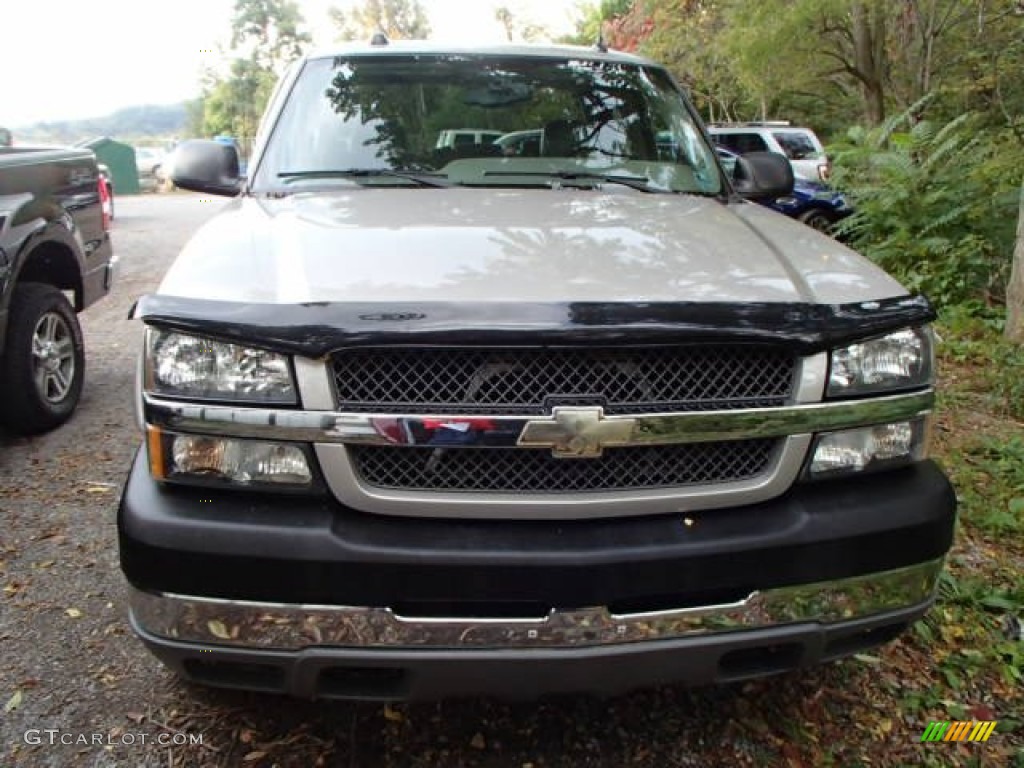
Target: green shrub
<point x="935" y="205"/>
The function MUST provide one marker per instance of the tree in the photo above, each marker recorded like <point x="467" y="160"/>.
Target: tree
<point x="233" y="105"/>
<point x="517" y="29"/>
<point x="265" y="36"/>
<point x="595" y="18"/>
<point x="504" y="16"/>
<point x="398" y="19"/>
<point x="273" y="30"/>
<point x="1015" y="287"/>
<point x="195" y="110"/>
<point x="849" y="60"/>
<point x="691" y="38"/>
<point x="779" y="46"/>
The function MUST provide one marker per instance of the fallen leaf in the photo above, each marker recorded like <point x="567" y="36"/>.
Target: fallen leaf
<point x="135" y="717"/>
<point x="217" y="629"/>
<point x="478" y="741"/>
<point x="392" y="714"/>
<point x="14" y="702"/>
<point x="982" y="712"/>
<point x="74" y="613"/>
<point x="867" y="658"/>
<point x="252" y="757"/>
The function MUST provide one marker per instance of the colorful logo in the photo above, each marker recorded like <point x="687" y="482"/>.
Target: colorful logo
<point x="959" y="730"/>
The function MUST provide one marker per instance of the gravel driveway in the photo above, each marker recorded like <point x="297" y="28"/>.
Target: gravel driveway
<point x="71" y="672"/>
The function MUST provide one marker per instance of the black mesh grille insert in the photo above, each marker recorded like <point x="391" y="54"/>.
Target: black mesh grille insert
<point x="524" y="470"/>
<point x="417" y="380"/>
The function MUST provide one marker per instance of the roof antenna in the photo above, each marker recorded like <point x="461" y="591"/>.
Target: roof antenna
<point x="601" y="45"/>
<point x="379" y="38"/>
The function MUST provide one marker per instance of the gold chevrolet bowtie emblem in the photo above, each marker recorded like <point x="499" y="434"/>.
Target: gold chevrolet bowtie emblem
<point x="576" y="433"/>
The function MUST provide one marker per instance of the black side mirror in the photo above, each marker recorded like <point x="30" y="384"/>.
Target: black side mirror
<point x="763" y="176"/>
<point x="206" y="166"/>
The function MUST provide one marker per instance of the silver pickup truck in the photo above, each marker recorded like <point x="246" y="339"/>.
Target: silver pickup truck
<point x="427" y="421"/>
<point x="54" y="241"/>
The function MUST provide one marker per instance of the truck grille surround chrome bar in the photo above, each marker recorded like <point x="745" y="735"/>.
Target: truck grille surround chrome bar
<point x="570" y="460"/>
<point x="570" y="383"/>
<point x="655" y="429"/>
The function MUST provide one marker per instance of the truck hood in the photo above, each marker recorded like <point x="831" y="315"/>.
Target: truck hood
<point x="524" y="245"/>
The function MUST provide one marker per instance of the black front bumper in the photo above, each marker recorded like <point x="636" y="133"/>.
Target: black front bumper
<point x="291" y="549"/>
<point x="209" y="549"/>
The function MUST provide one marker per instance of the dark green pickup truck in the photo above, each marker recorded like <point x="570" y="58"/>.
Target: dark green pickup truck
<point x="55" y="260"/>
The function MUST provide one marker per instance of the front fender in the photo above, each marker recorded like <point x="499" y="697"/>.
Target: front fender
<point x="37" y="246"/>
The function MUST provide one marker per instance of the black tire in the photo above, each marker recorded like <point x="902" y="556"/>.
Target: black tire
<point x="819" y="220"/>
<point x="43" y="365"/>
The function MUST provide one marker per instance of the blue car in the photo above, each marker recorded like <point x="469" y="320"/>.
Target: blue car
<point x="815" y="204"/>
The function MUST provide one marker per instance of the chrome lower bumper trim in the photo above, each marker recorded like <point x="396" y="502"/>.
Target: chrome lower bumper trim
<point x="274" y="626"/>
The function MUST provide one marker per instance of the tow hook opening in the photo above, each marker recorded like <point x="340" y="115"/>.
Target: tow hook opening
<point x="760" y="660"/>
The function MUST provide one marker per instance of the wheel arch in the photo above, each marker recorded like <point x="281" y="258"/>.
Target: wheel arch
<point x="52" y="262"/>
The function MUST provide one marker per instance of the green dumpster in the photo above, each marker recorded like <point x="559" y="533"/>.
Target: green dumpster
<point x="120" y="159"/>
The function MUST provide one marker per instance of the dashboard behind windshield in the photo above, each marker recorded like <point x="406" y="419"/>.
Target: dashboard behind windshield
<point x="481" y="120"/>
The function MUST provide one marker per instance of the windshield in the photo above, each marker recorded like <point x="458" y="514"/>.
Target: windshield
<point x="797" y="146"/>
<point x="486" y="121"/>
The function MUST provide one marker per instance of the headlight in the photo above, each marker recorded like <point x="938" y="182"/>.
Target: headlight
<point x="900" y="360"/>
<point x="182" y="365"/>
<point x="883" y="446"/>
<point x="207" y="460"/>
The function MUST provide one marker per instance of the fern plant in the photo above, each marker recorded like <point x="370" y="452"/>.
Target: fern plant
<point x="935" y="204"/>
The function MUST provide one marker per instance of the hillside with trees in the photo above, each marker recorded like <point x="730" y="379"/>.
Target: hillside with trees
<point x="129" y="124"/>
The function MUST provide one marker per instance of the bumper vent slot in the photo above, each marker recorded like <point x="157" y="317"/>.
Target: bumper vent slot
<point x="760" y="660"/>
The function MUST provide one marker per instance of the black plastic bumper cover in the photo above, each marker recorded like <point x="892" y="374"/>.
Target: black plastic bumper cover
<point x="292" y="549"/>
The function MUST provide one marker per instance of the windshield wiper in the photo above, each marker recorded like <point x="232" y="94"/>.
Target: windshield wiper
<point x="423" y="178"/>
<point x="641" y="183"/>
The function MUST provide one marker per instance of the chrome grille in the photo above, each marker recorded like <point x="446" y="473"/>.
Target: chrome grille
<point x="512" y="470"/>
<point x="529" y="381"/>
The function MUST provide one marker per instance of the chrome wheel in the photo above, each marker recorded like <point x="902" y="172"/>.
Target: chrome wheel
<point x="44" y="360"/>
<point x="53" y="358"/>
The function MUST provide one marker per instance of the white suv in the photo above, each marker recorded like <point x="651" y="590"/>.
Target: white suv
<point x="451" y="139"/>
<point x="805" y="152"/>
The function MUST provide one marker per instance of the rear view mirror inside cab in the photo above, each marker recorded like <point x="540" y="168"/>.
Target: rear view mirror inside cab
<point x="498" y="94"/>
